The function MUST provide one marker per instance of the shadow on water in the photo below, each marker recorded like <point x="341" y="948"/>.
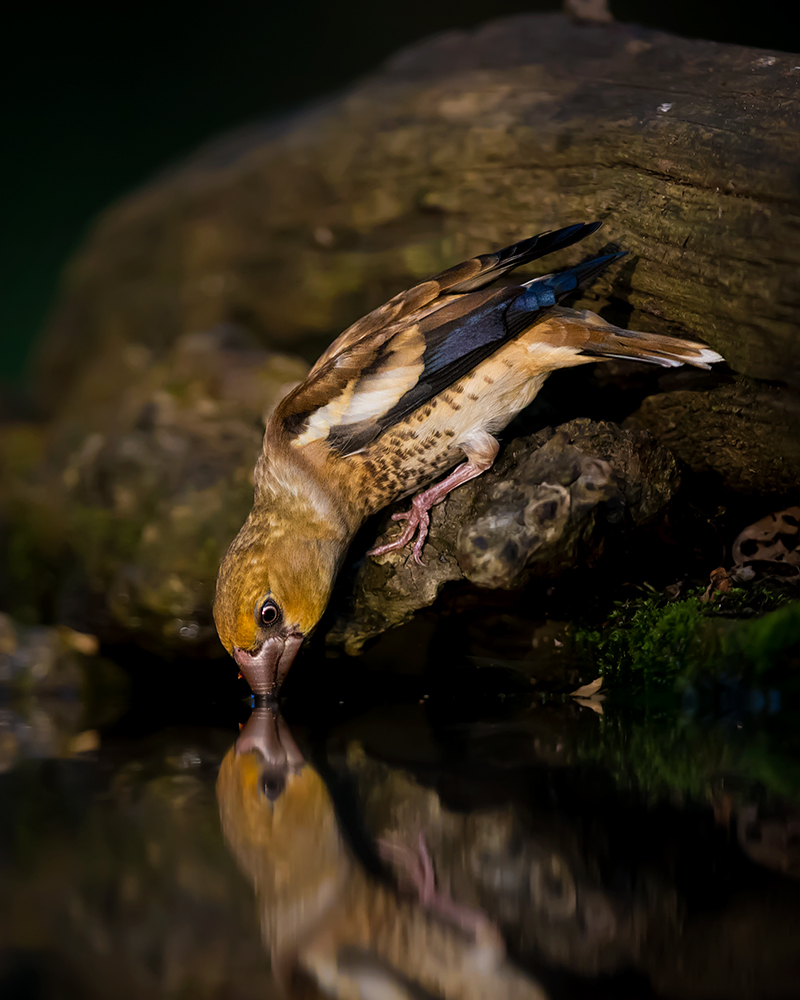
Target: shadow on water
<point x="450" y="832"/>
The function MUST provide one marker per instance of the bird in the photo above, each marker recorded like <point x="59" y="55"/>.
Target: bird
<point x="333" y="928"/>
<point x="419" y="385"/>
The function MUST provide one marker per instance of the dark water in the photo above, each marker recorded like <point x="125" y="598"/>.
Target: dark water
<point x="460" y="832"/>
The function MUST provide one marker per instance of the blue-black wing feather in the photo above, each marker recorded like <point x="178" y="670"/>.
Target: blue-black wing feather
<point x="457" y="336"/>
<point x="454" y="347"/>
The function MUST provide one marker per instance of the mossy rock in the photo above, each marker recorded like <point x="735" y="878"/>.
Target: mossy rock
<point x="121" y="523"/>
<point x="652" y="642"/>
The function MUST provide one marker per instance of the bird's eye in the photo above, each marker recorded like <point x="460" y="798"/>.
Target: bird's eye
<point x="273" y="784"/>
<point x="269" y="613"/>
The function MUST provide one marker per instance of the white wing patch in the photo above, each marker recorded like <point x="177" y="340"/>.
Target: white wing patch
<point x="368" y="397"/>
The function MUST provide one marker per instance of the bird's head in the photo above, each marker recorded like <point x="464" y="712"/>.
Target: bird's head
<point x="279" y="820"/>
<point x="272" y="589"/>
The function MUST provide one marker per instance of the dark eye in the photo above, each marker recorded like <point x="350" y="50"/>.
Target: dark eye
<point x="273" y="784"/>
<point x="269" y="613"/>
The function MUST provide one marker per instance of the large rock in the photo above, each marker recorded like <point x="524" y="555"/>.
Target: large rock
<point x="722" y="429"/>
<point x="145" y="490"/>
<point x="544" y="508"/>
<point x="686" y="149"/>
<point x="286" y="232"/>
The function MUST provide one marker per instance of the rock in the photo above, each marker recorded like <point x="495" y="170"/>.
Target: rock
<point x="687" y="149"/>
<point x="539" y="520"/>
<point x="543" y="508"/>
<point x="53" y="687"/>
<point x="43" y="660"/>
<point x="745" y="433"/>
<point x="148" y="484"/>
<point x="284" y="233"/>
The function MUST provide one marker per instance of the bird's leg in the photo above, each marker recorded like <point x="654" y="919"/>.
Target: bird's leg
<point x="481" y="450"/>
<point x="411" y="864"/>
<point x="419" y="868"/>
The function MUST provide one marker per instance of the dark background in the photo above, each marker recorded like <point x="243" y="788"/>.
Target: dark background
<point x="98" y="98"/>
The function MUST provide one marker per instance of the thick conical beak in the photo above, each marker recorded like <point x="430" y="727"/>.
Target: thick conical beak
<point x="266" y="732"/>
<point x="266" y="670"/>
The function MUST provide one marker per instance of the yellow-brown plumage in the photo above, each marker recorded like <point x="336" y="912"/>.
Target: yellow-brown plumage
<point x="323" y="917"/>
<point x="415" y="387"/>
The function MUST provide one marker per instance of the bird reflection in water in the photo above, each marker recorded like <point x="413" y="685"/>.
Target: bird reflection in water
<point x="331" y="927"/>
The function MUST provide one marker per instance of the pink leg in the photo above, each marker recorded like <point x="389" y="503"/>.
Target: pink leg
<point x="481" y="453"/>
<point x="419" y="868"/>
<point x="411" y="863"/>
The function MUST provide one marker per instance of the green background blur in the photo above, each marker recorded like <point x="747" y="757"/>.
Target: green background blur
<point x="94" y="102"/>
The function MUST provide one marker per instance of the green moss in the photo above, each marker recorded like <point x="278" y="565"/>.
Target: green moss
<point x="671" y="753"/>
<point x="766" y="645"/>
<point x="650" y="641"/>
<point x="645" y="640"/>
<point x="743" y="602"/>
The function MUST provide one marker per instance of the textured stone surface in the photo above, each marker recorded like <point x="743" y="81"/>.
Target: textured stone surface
<point x="144" y="481"/>
<point x="746" y="433"/>
<point x="286" y="232"/>
<point x="542" y="509"/>
<point x="292" y="229"/>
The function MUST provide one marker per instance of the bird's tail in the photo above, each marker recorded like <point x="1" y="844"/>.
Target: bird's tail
<point x="590" y="336"/>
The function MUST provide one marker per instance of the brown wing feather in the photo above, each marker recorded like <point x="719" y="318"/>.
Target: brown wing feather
<point x="356" y="385"/>
<point x="400" y="307"/>
<point x="375" y="366"/>
<point x="468" y="276"/>
<point x="587" y="335"/>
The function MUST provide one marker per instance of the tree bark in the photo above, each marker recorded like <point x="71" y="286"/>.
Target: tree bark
<point x="689" y="150"/>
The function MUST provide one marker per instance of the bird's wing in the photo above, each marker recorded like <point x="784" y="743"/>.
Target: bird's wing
<point x="468" y="276"/>
<point x="420" y="343"/>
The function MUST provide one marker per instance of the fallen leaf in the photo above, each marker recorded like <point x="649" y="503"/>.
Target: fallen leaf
<point x="596" y="704"/>
<point x="720" y="581"/>
<point x="587" y="690"/>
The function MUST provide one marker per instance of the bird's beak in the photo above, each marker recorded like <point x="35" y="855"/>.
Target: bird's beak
<point x="266" y="732"/>
<point x="266" y="670"/>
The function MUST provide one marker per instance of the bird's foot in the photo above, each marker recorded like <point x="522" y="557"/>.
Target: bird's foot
<point x="483" y="449"/>
<point x="417" y="866"/>
<point x="418" y="519"/>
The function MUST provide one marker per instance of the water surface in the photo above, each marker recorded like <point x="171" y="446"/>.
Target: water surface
<point x="457" y="831"/>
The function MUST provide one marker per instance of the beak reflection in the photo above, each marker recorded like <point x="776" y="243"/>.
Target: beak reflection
<point x="323" y="916"/>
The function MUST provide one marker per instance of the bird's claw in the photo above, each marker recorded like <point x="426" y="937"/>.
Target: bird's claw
<point x="418" y="521"/>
